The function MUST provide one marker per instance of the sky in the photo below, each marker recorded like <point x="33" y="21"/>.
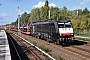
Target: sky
<point x="9" y="8"/>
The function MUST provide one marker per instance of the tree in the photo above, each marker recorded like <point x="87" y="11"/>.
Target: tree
<point x="85" y="11"/>
<point x="80" y="12"/>
<point x="54" y="12"/>
<point x="23" y="18"/>
<point x="76" y="25"/>
<point x="46" y="10"/>
<point x="42" y="13"/>
<point x="80" y="21"/>
<point x="63" y="13"/>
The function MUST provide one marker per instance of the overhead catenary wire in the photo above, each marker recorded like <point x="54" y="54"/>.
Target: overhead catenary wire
<point x="78" y="2"/>
<point x="27" y="1"/>
<point x="20" y="7"/>
<point x="68" y="2"/>
<point x="61" y="5"/>
<point x="24" y="3"/>
<point x="71" y="2"/>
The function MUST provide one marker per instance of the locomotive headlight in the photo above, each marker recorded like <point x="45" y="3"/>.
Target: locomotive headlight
<point x="71" y="33"/>
<point x="60" y="34"/>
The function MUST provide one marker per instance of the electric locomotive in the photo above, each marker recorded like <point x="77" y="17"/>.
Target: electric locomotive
<point x="54" y="31"/>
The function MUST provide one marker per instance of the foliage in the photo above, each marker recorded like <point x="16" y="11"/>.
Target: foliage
<point x="80" y="18"/>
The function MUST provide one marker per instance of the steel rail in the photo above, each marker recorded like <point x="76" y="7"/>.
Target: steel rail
<point x="36" y="47"/>
<point x="15" y="48"/>
<point x="35" y="55"/>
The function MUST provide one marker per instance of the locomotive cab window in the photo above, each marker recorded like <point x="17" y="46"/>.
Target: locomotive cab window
<point x="64" y="25"/>
<point x="60" y="25"/>
<point x="68" y="25"/>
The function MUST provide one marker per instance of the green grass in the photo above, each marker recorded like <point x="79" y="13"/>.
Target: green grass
<point x="44" y="48"/>
<point x="57" y="57"/>
<point x="84" y="34"/>
<point x="34" y="43"/>
<point x="83" y="39"/>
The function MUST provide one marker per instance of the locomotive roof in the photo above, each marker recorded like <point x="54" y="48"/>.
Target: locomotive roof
<point x="63" y="21"/>
<point x="43" y="22"/>
<point x="52" y="21"/>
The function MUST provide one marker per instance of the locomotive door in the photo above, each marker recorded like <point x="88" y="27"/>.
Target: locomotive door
<point x="52" y="31"/>
<point x="33" y="29"/>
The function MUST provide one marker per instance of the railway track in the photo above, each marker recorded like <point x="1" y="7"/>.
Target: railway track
<point x="76" y="52"/>
<point x="26" y="48"/>
<point x="73" y="52"/>
<point x="15" y="50"/>
<point x="79" y="51"/>
<point x="31" y="50"/>
<point x="83" y="50"/>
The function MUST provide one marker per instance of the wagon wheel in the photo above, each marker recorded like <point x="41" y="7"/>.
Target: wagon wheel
<point x="58" y="42"/>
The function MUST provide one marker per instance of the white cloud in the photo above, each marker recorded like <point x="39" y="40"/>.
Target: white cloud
<point x="12" y="16"/>
<point x="3" y="15"/>
<point x="21" y="12"/>
<point x="81" y="4"/>
<point x="84" y="2"/>
<point x="40" y="4"/>
<point x="27" y="12"/>
<point x="1" y="18"/>
<point x="52" y="4"/>
<point x="76" y="7"/>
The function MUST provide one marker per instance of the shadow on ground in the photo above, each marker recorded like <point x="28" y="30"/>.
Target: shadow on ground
<point x="76" y="42"/>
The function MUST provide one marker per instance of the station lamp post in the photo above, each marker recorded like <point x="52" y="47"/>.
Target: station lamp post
<point x="0" y="5"/>
<point x="19" y="33"/>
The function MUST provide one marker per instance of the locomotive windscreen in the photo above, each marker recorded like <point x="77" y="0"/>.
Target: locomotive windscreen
<point x="64" y="25"/>
<point x="60" y="25"/>
<point x="68" y="25"/>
